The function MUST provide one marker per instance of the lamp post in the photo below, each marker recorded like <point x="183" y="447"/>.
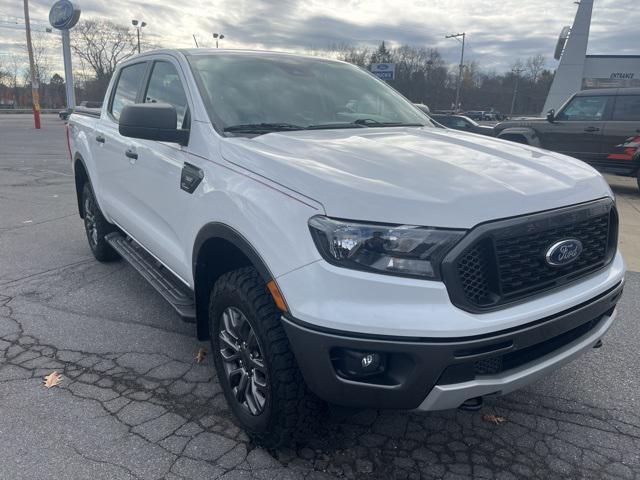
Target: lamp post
<point x="218" y="36"/>
<point x="135" y="24"/>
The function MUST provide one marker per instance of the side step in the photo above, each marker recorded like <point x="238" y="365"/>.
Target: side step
<point x="173" y="290"/>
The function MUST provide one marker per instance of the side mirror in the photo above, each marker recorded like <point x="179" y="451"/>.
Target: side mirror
<point x="152" y="121"/>
<point x="551" y="116"/>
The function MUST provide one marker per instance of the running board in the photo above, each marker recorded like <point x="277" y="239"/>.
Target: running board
<point x="173" y="290"/>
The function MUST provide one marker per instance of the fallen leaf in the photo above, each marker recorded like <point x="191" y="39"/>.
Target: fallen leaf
<point x="497" y="419"/>
<point x="200" y="356"/>
<point x="52" y="380"/>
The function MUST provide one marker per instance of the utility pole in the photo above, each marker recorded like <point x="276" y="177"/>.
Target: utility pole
<point x="35" y="84"/>
<point x="459" y="84"/>
<point x="517" y="71"/>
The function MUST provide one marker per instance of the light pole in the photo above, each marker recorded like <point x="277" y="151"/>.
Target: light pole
<point x="135" y="24"/>
<point x="459" y="84"/>
<point x="218" y="36"/>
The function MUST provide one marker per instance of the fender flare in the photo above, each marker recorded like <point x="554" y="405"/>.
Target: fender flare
<point x="221" y="231"/>
<point x="78" y="158"/>
<point x="528" y="133"/>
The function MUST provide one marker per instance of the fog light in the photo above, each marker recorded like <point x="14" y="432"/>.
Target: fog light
<point x="354" y="364"/>
<point x="368" y="360"/>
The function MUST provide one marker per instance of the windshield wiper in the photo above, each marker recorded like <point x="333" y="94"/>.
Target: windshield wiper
<point x="329" y="126"/>
<point x="263" y="128"/>
<point x="370" y="122"/>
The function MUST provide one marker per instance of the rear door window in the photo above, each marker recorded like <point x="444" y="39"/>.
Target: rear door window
<point x="126" y="90"/>
<point x="627" y="108"/>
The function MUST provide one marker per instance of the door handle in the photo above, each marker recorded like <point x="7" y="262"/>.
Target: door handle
<point x="131" y="154"/>
<point x="591" y="129"/>
<point x="100" y="139"/>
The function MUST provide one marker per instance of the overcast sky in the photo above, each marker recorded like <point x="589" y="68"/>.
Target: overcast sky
<point x="499" y="31"/>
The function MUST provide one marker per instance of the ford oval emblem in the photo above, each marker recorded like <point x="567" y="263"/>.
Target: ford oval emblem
<point x="564" y="252"/>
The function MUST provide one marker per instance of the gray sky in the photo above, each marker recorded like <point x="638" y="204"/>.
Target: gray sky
<point x="499" y="31"/>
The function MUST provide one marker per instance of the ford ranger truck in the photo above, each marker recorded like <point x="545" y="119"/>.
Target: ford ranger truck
<point x="334" y="245"/>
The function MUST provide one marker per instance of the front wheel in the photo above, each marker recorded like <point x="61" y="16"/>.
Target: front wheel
<point x="256" y="368"/>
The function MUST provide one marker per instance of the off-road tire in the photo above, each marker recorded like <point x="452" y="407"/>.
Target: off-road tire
<point x="291" y="410"/>
<point x="93" y="219"/>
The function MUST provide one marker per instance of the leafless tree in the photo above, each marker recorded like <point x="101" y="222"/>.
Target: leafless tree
<point x="41" y="58"/>
<point x="4" y="70"/>
<point x="360" y="56"/>
<point x="101" y="44"/>
<point x="535" y="66"/>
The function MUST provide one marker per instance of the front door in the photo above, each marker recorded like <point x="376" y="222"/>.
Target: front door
<point x="578" y="127"/>
<point x="162" y="207"/>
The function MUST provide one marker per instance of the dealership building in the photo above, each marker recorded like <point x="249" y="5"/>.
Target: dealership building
<point x="579" y="71"/>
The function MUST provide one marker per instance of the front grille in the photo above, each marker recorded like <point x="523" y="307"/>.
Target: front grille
<point x="521" y="260"/>
<point x="505" y="262"/>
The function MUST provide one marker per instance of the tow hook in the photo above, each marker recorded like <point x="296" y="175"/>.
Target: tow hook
<point x="472" y="405"/>
<point x="598" y="344"/>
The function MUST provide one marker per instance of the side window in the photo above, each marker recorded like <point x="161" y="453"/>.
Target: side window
<point x="627" y="108"/>
<point x="127" y="88"/>
<point x="165" y="87"/>
<point x="585" y="109"/>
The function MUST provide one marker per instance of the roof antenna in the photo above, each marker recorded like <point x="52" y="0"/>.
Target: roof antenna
<point x="196" y="41"/>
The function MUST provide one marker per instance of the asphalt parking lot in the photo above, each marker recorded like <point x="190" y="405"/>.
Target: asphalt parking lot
<point x="133" y="403"/>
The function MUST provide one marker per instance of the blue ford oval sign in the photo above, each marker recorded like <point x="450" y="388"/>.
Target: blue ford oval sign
<point x="64" y="15"/>
<point x="564" y="252"/>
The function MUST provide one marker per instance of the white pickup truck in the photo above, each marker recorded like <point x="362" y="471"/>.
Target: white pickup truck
<point x="333" y="243"/>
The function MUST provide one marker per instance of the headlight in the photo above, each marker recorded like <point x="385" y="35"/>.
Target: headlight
<point x="393" y="249"/>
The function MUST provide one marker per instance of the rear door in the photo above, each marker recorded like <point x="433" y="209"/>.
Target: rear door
<point x="621" y="137"/>
<point x="577" y="130"/>
<point x="112" y="164"/>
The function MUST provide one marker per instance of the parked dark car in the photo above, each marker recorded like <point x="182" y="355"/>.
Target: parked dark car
<point x="460" y="122"/>
<point x="601" y="127"/>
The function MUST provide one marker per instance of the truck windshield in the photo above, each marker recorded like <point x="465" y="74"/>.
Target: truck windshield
<point x="260" y="93"/>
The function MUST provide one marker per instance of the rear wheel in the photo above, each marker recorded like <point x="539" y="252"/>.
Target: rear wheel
<point x="96" y="227"/>
<point x="256" y="368"/>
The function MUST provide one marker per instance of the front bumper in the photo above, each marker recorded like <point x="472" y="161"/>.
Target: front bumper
<point x="442" y="373"/>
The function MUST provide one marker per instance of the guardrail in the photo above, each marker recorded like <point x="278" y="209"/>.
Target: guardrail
<point x="11" y="111"/>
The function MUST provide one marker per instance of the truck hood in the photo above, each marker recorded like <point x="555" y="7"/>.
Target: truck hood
<point x="417" y="176"/>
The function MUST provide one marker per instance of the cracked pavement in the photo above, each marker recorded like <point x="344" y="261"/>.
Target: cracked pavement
<point x="133" y="403"/>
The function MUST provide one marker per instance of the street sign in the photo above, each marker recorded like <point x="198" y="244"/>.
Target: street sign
<point x="384" y="71"/>
<point x="64" y="15"/>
